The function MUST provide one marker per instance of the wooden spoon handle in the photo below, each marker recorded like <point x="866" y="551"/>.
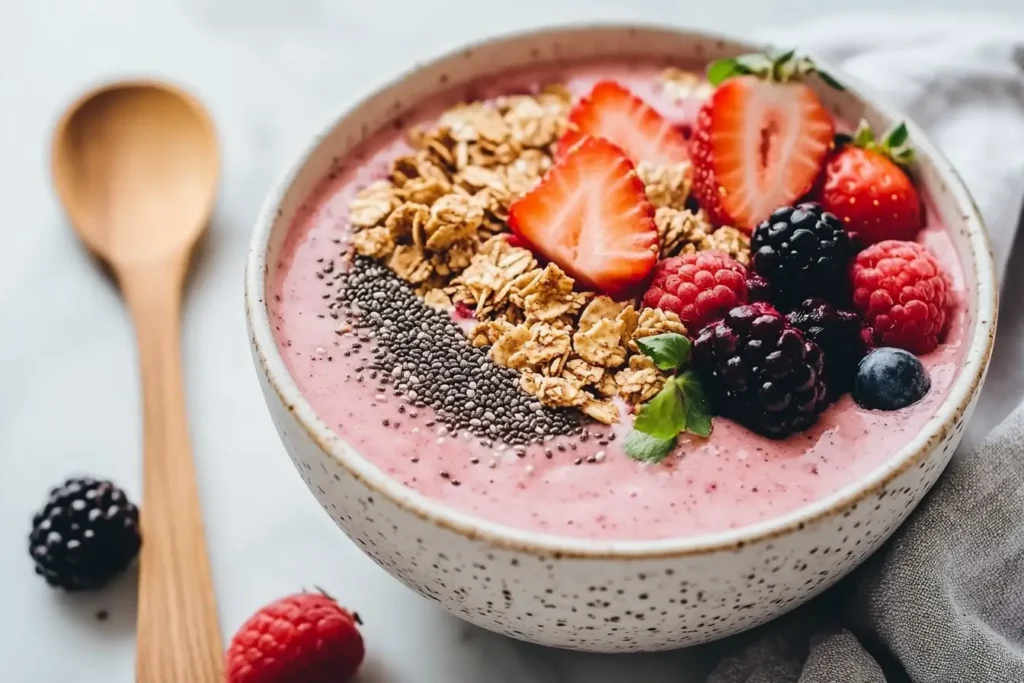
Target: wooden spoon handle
<point x="178" y="639"/>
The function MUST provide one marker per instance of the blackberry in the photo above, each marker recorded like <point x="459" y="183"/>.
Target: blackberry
<point x="87" y="533"/>
<point x="758" y="289"/>
<point x="841" y="336"/>
<point x="760" y="371"/>
<point x="802" y="251"/>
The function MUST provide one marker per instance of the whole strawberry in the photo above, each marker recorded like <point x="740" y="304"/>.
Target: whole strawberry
<point x="760" y="139"/>
<point x="303" y="638"/>
<point x="865" y="185"/>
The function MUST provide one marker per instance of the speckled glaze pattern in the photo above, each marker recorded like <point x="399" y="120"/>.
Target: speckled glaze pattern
<point x="590" y="595"/>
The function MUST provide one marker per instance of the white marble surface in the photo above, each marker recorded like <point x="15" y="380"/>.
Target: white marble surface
<point x="270" y="71"/>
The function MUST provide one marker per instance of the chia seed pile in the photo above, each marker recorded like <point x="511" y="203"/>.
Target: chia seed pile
<point x="426" y="359"/>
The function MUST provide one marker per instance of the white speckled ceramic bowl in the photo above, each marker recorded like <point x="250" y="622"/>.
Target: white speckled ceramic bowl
<point x="617" y="595"/>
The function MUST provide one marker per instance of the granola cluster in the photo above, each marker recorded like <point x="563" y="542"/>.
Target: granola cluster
<point x="439" y="221"/>
<point x="683" y="85"/>
<point x="450" y="195"/>
<point x="680" y="230"/>
<point x="573" y="349"/>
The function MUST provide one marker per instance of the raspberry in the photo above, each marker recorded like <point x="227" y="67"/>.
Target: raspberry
<point x="840" y="335"/>
<point x="698" y="287"/>
<point x="903" y="295"/>
<point x="760" y="371"/>
<point x="305" y="637"/>
<point x="87" y="533"/>
<point x="802" y="251"/>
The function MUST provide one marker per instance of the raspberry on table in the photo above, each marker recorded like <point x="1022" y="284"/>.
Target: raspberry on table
<point x="760" y="371"/>
<point x="903" y="294"/>
<point x="802" y="251"/>
<point x="840" y="334"/>
<point x="87" y="533"/>
<point x="304" y="637"/>
<point x="699" y="287"/>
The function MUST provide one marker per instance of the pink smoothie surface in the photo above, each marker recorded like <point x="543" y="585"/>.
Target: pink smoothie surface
<point x="734" y="478"/>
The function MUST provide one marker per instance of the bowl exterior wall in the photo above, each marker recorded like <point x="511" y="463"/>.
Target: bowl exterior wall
<point x="609" y="604"/>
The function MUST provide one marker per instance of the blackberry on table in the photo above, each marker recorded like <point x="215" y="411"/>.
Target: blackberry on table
<point x="841" y="336"/>
<point x="760" y="371"/>
<point x="87" y="533"/>
<point x="431" y="363"/>
<point x="802" y="251"/>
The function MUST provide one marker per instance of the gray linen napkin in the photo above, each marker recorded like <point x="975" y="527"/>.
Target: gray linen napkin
<point x="943" y="601"/>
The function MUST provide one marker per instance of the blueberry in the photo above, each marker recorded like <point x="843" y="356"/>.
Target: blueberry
<point x="890" y="379"/>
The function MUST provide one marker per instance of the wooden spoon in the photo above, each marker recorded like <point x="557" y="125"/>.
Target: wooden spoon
<point x="136" y="166"/>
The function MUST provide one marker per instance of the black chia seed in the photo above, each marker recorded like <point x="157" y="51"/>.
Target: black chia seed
<point x="424" y="347"/>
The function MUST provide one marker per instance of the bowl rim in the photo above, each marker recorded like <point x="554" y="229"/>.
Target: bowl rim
<point x="279" y="379"/>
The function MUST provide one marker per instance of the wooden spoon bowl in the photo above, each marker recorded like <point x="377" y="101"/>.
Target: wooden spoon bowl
<point x="136" y="166"/>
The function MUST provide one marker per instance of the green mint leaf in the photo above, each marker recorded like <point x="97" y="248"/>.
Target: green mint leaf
<point x="696" y="409"/>
<point x="897" y="136"/>
<point x="647" y="448"/>
<point x="668" y="351"/>
<point x="827" y="78"/>
<point x="721" y="69"/>
<point x="663" y="416"/>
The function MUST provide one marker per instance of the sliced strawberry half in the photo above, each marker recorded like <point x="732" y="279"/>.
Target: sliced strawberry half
<point x="758" y="145"/>
<point x="590" y="215"/>
<point x="612" y="112"/>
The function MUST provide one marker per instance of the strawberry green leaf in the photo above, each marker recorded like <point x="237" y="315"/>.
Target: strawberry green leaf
<point x="647" y="448"/>
<point x="668" y="351"/>
<point x="895" y="144"/>
<point x="695" y="404"/>
<point x="831" y="82"/>
<point x="864" y="137"/>
<point x="782" y="68"/>
<point x="721" y="69"/>
<point x="784" y="57"/>
<point x="756" y="63"/>
<point x="902" y="156"/>
<point x="664" y="415"/>
<point x="897" y="136"/>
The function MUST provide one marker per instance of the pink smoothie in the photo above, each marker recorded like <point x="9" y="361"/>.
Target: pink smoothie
<point x="593" y="490"/>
